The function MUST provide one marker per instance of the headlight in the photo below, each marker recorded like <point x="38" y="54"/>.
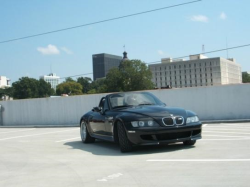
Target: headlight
<point x="149" y="123"/>
<point x="134" y="123"/>
<point x="192" y="119"/>
<point x="141" y="123"/>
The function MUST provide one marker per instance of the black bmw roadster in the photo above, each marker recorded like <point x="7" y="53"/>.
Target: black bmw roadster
<point x="139" y="118"/>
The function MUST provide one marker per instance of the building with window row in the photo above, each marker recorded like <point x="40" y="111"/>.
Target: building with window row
<point x="52" y="79"/>
<point x="198" y="71"/>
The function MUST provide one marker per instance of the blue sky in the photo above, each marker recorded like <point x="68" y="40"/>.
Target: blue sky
<point x="175" y="32"/>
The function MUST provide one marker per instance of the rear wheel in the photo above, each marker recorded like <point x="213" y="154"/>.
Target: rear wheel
<point x="189" y="142"/>
<point x="125" y="144"/>
<point x="86" y="138"/>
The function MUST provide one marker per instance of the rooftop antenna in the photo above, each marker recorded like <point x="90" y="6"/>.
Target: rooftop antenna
<point x="50" y="67"/>
<point x="124" y="48"/>
<point x="203" y="49"/>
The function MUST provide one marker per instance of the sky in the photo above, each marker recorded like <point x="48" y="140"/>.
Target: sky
<point x="173" y="32"/>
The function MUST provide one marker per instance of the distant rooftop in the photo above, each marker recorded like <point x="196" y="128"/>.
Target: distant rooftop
<point x="106" y="55"/>
<point x="191" y="57"/>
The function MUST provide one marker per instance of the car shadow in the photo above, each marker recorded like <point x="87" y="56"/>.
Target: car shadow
<point x="112" y="149"/>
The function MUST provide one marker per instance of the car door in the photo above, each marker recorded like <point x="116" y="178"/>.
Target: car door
<point x="108" y="118"/>
<point x="97" y="122"/>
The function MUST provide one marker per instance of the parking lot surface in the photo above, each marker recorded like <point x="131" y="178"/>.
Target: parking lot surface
<point x="56" y="157"/>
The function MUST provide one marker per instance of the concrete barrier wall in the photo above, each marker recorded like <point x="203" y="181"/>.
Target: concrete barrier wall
<point x="210" y="103"/>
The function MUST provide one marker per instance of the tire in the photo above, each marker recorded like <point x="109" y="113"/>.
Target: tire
<point x="189" y="142"/>
<point x="125" y="144"/>
<point x="86" y="138"/>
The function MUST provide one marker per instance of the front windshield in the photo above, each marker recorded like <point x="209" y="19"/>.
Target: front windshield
<point x="133" y="99"/>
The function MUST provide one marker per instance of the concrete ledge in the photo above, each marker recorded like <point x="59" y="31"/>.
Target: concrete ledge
<point x="40" y="126"/>
<point x="77" y="125"/>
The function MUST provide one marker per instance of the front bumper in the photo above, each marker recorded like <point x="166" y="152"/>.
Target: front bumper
<point x="163" y="135"/>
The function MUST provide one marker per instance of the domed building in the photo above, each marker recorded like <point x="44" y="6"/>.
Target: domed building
<point x="125" y="57"/>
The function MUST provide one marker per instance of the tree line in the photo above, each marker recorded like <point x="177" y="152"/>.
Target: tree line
<point x="131" y="75"/>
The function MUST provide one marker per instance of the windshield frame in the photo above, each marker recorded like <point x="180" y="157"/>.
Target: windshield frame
<point x="142" y="95"/>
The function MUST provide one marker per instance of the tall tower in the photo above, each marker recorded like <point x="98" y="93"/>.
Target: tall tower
<point x="102" y="63"/>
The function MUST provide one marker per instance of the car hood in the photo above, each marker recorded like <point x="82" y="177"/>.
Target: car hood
<point x="156" y="111"/>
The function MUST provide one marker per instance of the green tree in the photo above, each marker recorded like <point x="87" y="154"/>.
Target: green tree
<point x="9" y="91"/>
<point x="114" y="80"/>
<point x="92" y="91"/>
<point x="132" y="75"/>
<point x="69" y="79"/>
<point x="70" y="88"/>
<point x="44" y="89"/>
<point x="25" y="88"/>
<point x="6" y="91"/>
<point x="245" y="77"/>
<point x="86" y="83"/>
<point x="98" y="86"/>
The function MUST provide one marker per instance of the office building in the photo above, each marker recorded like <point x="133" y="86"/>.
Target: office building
<point x="4" y="82"/>
<point x="198" y="71"/>
<point x="102" y="63"/>
<point x="52" y="79"/>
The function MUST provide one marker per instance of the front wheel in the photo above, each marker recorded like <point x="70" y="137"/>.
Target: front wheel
<point x="189" y="142"/>
<point x="125" y="144"/>
<point x="86" y="138"/>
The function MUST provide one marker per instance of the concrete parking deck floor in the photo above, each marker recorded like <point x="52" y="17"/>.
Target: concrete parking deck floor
<point x="56" y="157"/>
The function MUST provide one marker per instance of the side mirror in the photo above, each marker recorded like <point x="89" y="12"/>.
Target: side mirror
<point x="96" y="109"/>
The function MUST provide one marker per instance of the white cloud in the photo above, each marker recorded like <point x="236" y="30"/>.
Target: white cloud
<point x="199" y="18"/>
<point x="223" y="16"/>
<point x="49" y="50"/>
<point x="160" y="52"/>
<point x="66" y="50"/>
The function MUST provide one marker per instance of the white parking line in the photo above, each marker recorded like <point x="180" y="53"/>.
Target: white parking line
<point x="35" y="135"/>
<point x="198" y="160"/>
<point x="17" y="131"/>
<point x="67" y="139"/>
<point x="229" y="125"/>
<point x="221" y="128"/>
<point x="225" y="139"/>
<point x="113" y="176"/>
<point x="225" y="132"/>
<point x="227" y="136"/>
